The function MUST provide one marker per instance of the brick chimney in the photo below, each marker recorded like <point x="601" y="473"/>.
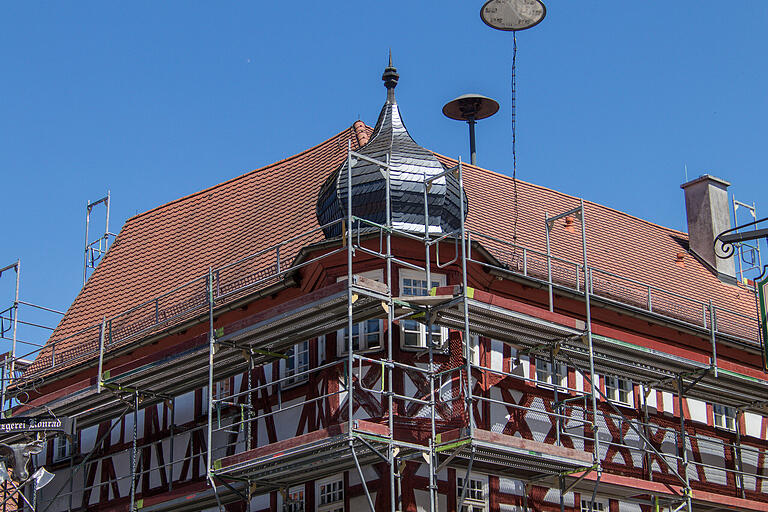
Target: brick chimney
<point x="706" y="205"/>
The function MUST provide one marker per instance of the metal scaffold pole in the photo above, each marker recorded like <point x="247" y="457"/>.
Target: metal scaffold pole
<point x="350" y="355"/>
<point x="465" y="305"/>
<point x="683" y="443"/>
<point x="211" y="351"/>
<point x="350" y="344"/>
<point x="431" y="373"/>
<point x="390" y="356"/>
<point x="15" y="318"/>
<point x="588" y="307"/>
<point x="134" y="449"/>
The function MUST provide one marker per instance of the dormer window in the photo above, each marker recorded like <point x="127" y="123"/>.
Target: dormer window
<point x="367" y="335"/>
<point x="413" y="334"/>
<point x="724" y="417"/>
<point x="619" y="390"/>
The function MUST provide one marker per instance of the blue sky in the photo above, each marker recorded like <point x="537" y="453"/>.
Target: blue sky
<point x="155" y="100"/>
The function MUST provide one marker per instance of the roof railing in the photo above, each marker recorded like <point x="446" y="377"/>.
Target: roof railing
<point x="266" y="267"/>
<point x="616" y="288"/>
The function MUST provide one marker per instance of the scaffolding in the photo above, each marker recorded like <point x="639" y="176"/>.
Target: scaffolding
<point x="94" y="250"/>
<point x="11" y="324"/>
<point x="446" y="408"/>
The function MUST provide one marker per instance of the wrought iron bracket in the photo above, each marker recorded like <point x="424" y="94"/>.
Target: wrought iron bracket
<point x="727" y="238"/>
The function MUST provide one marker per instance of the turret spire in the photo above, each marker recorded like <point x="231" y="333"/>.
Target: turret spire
<point x="390" y="78"/>
<point x="409" y="165"/>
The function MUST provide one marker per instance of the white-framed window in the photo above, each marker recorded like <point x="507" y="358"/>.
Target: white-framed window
<point x="619" y="390"/>
<point x="474" y="349"/>
<point x="414" y="334"/>
<point x="724" y="416"/>
<point x="545" y="376"/>
<point x="61" y="448"/>
<point x="330" y="494"/>
<point x="367" y="335"/>
<point x="475" y="498"/>
<point x="294" y="499"/>
<point x="597" y="506"/>
<point x="295" y="362"/>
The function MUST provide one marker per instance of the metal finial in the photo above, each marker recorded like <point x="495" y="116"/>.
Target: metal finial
<point x="390" y="78"/>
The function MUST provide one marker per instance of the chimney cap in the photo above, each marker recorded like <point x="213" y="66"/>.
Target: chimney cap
<point x="706" y="177"/>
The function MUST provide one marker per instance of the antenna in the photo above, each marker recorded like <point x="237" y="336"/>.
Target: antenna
<point x="471" y="108"/>
<point x="513" y="16"/>
<point x="95" y="249"/>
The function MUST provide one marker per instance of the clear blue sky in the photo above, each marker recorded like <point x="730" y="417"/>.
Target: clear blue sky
<point x="155" y="100"/>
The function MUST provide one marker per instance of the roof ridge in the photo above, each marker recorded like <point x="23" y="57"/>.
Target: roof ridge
<point x="248" y="173"/>
<point x="542" y="187"/>
<point x="361" y="132"/>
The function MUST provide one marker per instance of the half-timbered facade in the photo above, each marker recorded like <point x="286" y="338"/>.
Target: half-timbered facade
<point x="368" y="325"/>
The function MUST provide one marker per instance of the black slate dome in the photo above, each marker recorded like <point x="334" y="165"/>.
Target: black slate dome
<point x="409" y="163"/>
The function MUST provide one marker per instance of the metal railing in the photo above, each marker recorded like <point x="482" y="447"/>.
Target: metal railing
<point x="617" y="288"/>
<point x="232" y="281"/>
<point x="267" y="266"/>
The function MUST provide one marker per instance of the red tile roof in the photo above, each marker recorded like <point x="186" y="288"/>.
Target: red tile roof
<point x="617" y="243"/>
<point x="161" y="249"/>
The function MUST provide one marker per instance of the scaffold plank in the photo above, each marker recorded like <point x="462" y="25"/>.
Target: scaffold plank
<point x="509" y="455"/>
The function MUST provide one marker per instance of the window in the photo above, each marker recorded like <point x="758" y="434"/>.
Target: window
<point x="725" y="417"/>
<point x="474" y="349"/>
<point x="619" y="390"/>
<point x="294" y="499"/>
<point x="223" y="389"/>
<point x="296" y="361"/>
<point x="330" y="494"/>
<point x="414" y="334"/>
<point x="474" y="498"/>
<point x="367" y="335"/>
<point x="61" y="448"/>
<point x="544" y="374"/>
<point x="597" y="506"/>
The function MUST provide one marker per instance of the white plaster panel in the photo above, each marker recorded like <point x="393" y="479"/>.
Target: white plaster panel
<point x="667" y="402"/>
<point x="122" y="462"/>
<point x="117" y="431"/>
<point x="88" y="438"/>
<point x="698" y="410"/>
<point x="260" y="502"/>
<point x="499" y="414"/>
<point x="359" y="502"/>
<point x="287" y="421"/>
<point x="538" y="421"/>
<point x="753" y="424"/>
<point x="422" y="501"/>
<point x="497" y="355"/>
<point x="184" y="408"/>
<point x="651" y="399"/>
<point x="180" y="442"/>
<point x="510" y="486"/>
<point x="94" y="498"/>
